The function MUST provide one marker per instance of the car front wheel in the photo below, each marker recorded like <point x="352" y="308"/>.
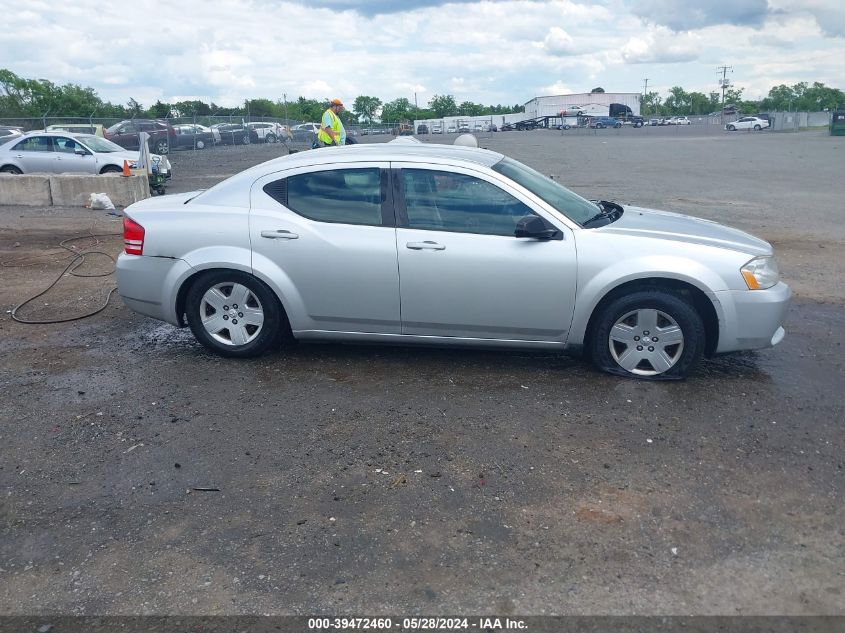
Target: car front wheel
<point x="270" y="138"/>
<point x="161" y="146"/>
<point x="757" y="128"/>
<point x="731" y="128"/>
<point x="648" y="334"/>
<point x="234" y="314"/>
<point x="10" y="169"/>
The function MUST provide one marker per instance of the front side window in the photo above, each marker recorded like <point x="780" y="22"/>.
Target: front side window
<point x="35" y="144"/>
<point x="446" y="201"/>
<point x="562" y="199"/>
<point x="65" y="145"/>
<point x="346" y="196"/>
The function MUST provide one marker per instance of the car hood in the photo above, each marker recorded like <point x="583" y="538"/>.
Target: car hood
<point x="665" y="225"/>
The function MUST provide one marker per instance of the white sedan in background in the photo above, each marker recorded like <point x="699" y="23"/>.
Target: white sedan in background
<point x="58" y="153"/>
<point x="747" y="123"/>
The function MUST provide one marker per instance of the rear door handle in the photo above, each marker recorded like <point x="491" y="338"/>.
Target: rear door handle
<point x="280" y="234"/>
<point x="425" y="246"/>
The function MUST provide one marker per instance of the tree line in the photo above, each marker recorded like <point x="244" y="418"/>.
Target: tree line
<point x="801" y="97"/>
<point x="33" y="98"/>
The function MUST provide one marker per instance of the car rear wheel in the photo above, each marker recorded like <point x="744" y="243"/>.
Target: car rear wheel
<point x="161" y="146"/>
<point x="648" y="334"/>
<point x="234" y="314"/>
<point x="111" y="169"/>
<point x="245" y="140"/>
<point x="618" y="125"/>
<point x="10" y="169"/>
<point x="270" y="138"/>
<point x="731" y="128"/>
<point x="757" y="128"/>
<point x="599" y="126"/>
<point x="200" y="144"/>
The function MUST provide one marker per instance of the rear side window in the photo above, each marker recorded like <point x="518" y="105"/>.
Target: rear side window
<point x="35" y="144"/>
<point x="346" y="196"/>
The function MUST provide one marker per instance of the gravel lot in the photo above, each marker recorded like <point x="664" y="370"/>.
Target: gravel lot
<point x="139" y="474"/>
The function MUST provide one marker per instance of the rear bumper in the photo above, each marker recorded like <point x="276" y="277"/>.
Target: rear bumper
<point x="149" y="285"/>
<point x="752" y="319"/>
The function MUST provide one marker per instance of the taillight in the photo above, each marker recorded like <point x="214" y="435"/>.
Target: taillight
<point x="133" y="237"/>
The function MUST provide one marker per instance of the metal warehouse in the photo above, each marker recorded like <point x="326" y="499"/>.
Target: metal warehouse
<point x="552" y="105"/>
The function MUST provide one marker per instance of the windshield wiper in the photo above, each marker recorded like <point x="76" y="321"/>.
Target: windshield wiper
<point x="610" y="211"/>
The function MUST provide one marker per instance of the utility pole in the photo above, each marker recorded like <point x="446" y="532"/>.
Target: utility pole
<point x="287" y="121"/>
<point x="645" y="93"/>
<point x="416" y="107"/>
<point x="724" y="82"/>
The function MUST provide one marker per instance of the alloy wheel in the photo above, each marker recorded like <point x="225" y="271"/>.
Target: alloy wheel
<point x="646" y="342"/>
<point x="231" y="313"/>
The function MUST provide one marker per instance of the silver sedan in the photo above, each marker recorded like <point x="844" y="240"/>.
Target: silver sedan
<point x="441" y="245"/>
<point x="65" y="152"/>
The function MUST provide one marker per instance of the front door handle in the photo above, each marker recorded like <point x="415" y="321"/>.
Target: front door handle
<point x="280" y="234"/>
<point x="425" y="246"/>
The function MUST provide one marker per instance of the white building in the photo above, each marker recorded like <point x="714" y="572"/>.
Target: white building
<point x="600" y="101"/>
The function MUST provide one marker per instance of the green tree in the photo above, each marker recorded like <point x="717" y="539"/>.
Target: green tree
<point x="650" y="103"/>
<point x="396" y="110"/>
<point x="597" y="90"/>
<point x="443" y="105"/>
<point x="261" y="108"/>
<point x="366" y="108"/>
<point x="159" y="110"/>
<point x="133" y="108"/>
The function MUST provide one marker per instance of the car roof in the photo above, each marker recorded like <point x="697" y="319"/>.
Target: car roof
<point x="232" y="190"/>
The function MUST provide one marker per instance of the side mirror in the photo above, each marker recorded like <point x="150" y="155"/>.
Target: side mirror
<point x="533" y="226"/>
<point x="80" y="151"/>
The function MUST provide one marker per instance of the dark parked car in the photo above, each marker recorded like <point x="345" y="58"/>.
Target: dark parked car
<point x="603" y="121"/>
<point x="189" y="135"/>
<point x="422" y="128"/>
<point x="235" y="134"/>
<point x="126" y="134"/>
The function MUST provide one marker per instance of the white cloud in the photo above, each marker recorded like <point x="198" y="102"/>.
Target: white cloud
<point x="491" y="52"/>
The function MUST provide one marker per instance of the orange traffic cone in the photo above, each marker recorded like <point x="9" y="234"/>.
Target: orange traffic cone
<point x="126" y="171"/>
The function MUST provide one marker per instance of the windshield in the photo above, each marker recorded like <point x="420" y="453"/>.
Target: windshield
<point x="568" y="203"/>
<point x="99" y="144"/>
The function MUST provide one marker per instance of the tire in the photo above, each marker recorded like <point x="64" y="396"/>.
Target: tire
<point x="673" y="326"/>
<point x="111" y="169"/>
<point x="161" y="146"/>
<point x="757" y="128"/>
<point x="200" y="144"/>
<point x="270" y="138"/>
<point x="731" y="128"/>
<point x="599" y="126"/>
<point x="617" y="126"/>
<point x="245" y="140"/>
<point x="10" y="169"/>
<point x="230" y="290"/>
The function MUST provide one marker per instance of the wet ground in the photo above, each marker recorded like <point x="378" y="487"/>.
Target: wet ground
<point x="140" y="474"/>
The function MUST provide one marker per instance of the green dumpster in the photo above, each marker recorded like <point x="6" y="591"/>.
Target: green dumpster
<point x="837" y="123"/>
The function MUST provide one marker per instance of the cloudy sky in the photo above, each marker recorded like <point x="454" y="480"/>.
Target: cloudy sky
<point x="490" y="51"/>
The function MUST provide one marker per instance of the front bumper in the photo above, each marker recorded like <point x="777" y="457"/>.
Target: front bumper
<point x="752" y="319"/>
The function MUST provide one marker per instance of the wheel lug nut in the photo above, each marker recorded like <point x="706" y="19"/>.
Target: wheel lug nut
<point x="234" y="321"/>
<point x="636" y="338"/>
<point x="241" y="314"/>
<point x="225" y="307"/>
<point x="654" y="339"/>
<point x="639" y="348"/>
<point x="225" y="317"/>
<point x="651" y="349"/>
<point x="235" y="306"/>
<point x="645" y="333"/>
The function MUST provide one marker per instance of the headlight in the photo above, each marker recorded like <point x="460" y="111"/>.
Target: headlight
<point x="760" y="273"/>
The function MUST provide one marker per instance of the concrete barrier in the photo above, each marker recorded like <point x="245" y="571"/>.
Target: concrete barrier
<point x="70" y="190"/>
<point x="32" y="191"/>
<point x="74" y="190"/>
